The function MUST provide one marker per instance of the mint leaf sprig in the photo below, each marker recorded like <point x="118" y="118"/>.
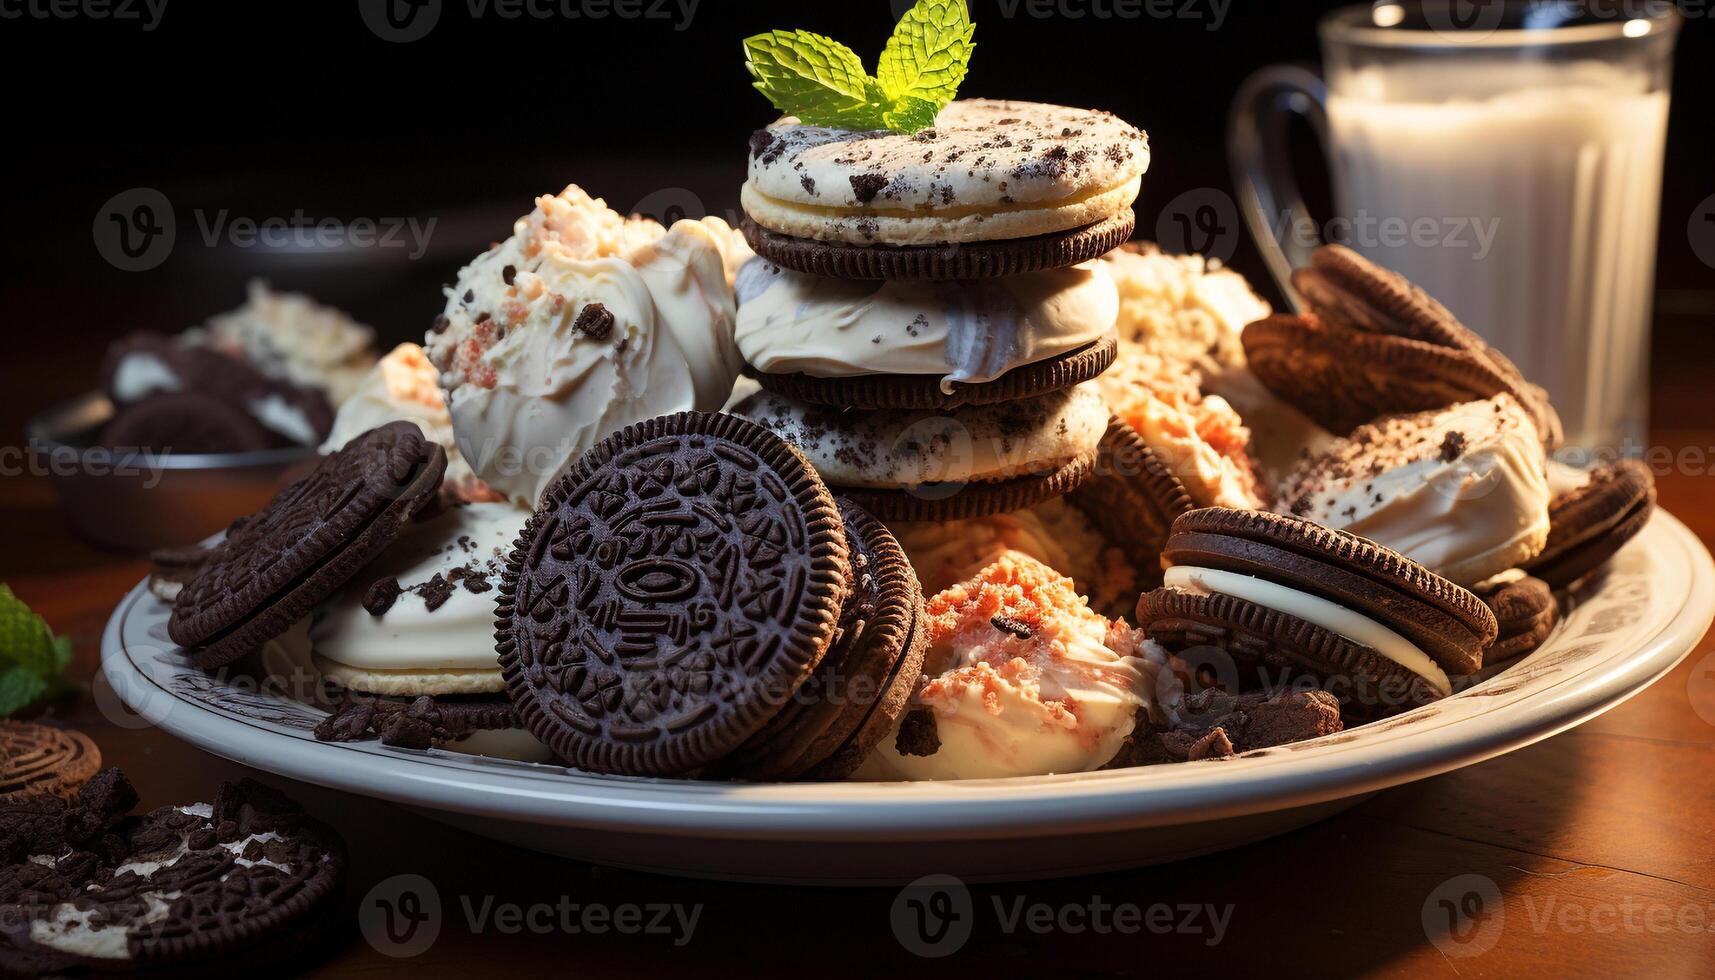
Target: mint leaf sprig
<point x="32" y="659"/>
<point x="823" y="82"/>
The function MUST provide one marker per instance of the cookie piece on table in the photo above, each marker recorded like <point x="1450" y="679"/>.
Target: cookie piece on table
<point x="680" y="582"/>
<point x="313" y="538"/>
<point x="1286" y="598"/>
<point x="1590" y="524"/>
<point x="209" y="888"/>
<point x="39" y="760"/>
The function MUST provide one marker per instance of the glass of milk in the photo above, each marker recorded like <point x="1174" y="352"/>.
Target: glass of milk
<point x="1506" y="157"/>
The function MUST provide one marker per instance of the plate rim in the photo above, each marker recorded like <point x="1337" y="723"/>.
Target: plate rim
<point x="1034" y="806"/>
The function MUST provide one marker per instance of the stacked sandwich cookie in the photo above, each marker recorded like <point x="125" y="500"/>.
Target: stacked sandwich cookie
<point x="925" y="312"/>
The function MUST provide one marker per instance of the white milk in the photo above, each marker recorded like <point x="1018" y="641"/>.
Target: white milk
<point x="1558" y="167"/>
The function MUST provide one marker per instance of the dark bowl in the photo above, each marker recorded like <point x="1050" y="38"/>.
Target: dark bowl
<point x="137" y="502"/>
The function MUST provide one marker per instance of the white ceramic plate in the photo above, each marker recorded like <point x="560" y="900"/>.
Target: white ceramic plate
<point x="1624" y="632"/>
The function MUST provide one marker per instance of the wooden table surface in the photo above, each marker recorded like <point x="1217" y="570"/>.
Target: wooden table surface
<point x="1601" y="841"/>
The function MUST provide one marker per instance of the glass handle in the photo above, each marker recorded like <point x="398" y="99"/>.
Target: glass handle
<point x="1259" y="152"/>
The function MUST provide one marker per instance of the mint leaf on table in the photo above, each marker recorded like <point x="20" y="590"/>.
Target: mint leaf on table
<point x="32" y="660"/>
<point x="823" y="82"/>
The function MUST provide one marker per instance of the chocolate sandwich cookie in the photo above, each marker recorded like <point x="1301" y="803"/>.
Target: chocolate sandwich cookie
<point x="171" y="569"/>
<point x="993" y="189"/>
<point x="204" y="890"/>
<point x="1525" y="609"/>
<point x="954" y="261"/>
<point x="941" y="466"/>
<point x="1589" y="525"/>
<point x="308" y="542"/>
<point x="1349" y="292"/>
<point x="679" y="583"/>
<point x="1343" y="378"/>
<point x="186" y="422"/>
<point x="1279" y="593"/>
<point x="857" y="693"/>
<point x="36" y="760"/>
<point x="919" y="392"/>
<point x="1133" y="498"/>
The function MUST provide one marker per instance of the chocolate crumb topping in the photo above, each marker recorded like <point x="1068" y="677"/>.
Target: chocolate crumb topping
<point x="436" y="592"/>
<point x="1012" y="627"/>
<point x="594" y="321"/>
<point x="508" y="274"/>
<point x="441" y="324"/>
<point x="918" y="734"/>
<point x="1452" y="447"/>
<point x="381" y="595"/>
<point x="866" y="186"/>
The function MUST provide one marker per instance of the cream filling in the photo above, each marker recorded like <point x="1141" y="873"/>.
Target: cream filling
<point x="1315" y="610"/>
<point x="986" y="209"/>
<point x="280" y="417"/>
<point x="966" y="332"/>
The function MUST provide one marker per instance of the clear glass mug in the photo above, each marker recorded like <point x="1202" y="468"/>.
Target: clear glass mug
<point x="1505" y="156"/>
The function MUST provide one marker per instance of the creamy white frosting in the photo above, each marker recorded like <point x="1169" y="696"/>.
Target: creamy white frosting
<point x="903" y="449"/>
<point x="459" y="635"/>
<point x="403" y="387"/>
<point x="283" y="418"/>
<point x="528" y="391"/>
<point x="1315" y="610"/>
<point x="292" y="338"/>
<point x="1063" y="700"/>
<point x="966" y="332"/>
<point x="1463" y="491"/>
<point x="140" y="375"/>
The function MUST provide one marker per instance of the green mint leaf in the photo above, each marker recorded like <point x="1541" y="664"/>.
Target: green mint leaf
<point x="19" y="688"/>
<point x="815" y="78"/>
<point x="927" y="57"/>
<point x="909" y="115"/>
<point x="25" y="639"/>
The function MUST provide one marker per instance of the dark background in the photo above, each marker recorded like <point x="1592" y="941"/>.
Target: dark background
<point x="270" y="110"/>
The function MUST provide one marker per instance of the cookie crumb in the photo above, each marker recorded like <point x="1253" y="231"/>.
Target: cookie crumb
<point x="381" y="595"/>
<point x="918" y="734"/>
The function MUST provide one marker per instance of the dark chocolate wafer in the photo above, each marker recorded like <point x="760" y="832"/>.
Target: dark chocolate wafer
<point x="923" y="392"/>
<point x="964" y="501"/>
<point x="1589" y="525"/>
<point x="1527" y="612"/>
<point x="974" y="260"/>
<point x="1345" y="378"/>
<point x="309" y="541"/>
<point x="1133" y="498"/>
<point x="863" y="682"/>
<point x="186" y="422"/>
<point x="678" y="584"/>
